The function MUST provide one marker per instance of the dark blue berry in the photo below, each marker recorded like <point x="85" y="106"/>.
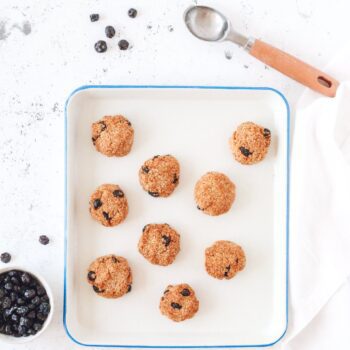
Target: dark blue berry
<point x="145" y="169"/>
<point x="36" y="300"/>
<point x="5" y="257"/>
<point x="31" y="315"/>
<point x="20" y="301"/>
<point x="6" y="303"/>
<point x="44" y="308"/>
<point x="185" y="292"/>
<point x="8" y="286"/>
<point x="25" y="278"/>
<point x="41" y="317"/>
<point x="40" y="290"/>
<point x="132" y="13"/>
<point x="43" y="239"/>
<point x="176" y="306"/>
<point x="153" y="194"/>
<point x="94" y="17"/>
<point x="101" y="46"/>
<point x="267" y="133"/>
<point x="118" y="193"/>
<point x="245" y="151"/>
<point x="106" y="215"/>
<point x="14" y="318"/>
<point x="37" y="327"/>
<point x="97" y="203"/>
<point x="110" y="32"/>
<point x="123" y="44"/>
<point x="29" y="293"/>
<point x="22" y="310"/>
<point x="166" y="240"/>
<point x="91" y="276"/>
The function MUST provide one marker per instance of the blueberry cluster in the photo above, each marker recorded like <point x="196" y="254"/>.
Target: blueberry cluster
<point x="101" y="45"/>
<point x="24" y="304"/>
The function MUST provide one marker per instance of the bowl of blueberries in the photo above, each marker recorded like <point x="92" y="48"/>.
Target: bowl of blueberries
<point x="26" y="305"/>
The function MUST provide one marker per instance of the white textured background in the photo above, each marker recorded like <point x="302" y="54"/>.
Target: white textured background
<point x="46" y="51"/>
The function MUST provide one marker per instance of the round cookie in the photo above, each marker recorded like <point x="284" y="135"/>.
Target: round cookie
<point x="250" y="143"/>
<point x="110" y="276"/>
<point x="214" y="193"/>
<point x="224" y="259"/>
<point x="179" y="302"/>
<point x="160" y="175"/>
<point x="159" y="244"/>
<point x="113" y="136"/>
<point x="108" y="205"/>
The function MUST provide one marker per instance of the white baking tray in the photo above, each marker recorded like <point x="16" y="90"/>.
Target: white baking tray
<point x="193" y="124"/>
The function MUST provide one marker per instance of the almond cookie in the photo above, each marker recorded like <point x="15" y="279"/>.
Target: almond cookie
<point x="108" y="205"/>
<point x="113" y="136"/>
<point x="160" y="175"/>
<point x="159" y="244"/>
<point x="179" y="302"/>
<point x="214" y="193"/>
<point x="110" y="276"/>
<point x="250" y="143"/>
<point x="224" y="259"/>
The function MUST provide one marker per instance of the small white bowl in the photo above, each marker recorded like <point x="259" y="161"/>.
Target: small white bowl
<point x="20" y="340"/>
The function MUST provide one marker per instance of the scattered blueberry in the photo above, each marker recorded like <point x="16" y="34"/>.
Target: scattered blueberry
<point x="267" y="133"/>
<point x="228" y="268"/>
<point x="91" y="276"/>
<point x="199" y="208"/>
<point x="94" y="17"/>
<point x="176" y="306"/>
<point x="123" y="44"/>
<point x="118" y="193"/>
<point x="43" y="239"/>
<point x="129" y="288"/>
<point x="144" y="228"/>
<point x="155" y="157"/>
<point x="110" y="32"/>
<point x="114" y="259"/>
<point x="97" y="203"/>
<point x="185" y="292"/>
<point x="153" y="194"/>
<point x="245" y="151"/>
<point x="166" y="240"/>
<point x="5" y="257"/>
<point x="132" y="13"/>
<point x="145" y="169"/>
<point x="101" y="46"/>
<point x="166" y="291"/>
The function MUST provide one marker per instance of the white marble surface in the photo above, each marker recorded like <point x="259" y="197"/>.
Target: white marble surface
<point x="46" y="50"/>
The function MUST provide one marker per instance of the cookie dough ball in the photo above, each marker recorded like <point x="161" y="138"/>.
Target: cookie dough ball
<point x="160" y="175"/>
<point x="159" y="244"/>
<point x="179" y="302"/>
<point x="110" y="276"/>
<point x="224" y="259"/>
<point x="214" y="193"/>
<point x="113" y="136"/>
<point x="250" y="143"/>
<point x="108" y="205"/>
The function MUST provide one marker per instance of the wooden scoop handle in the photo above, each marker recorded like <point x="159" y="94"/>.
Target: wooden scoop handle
<point x="294" y="68"/>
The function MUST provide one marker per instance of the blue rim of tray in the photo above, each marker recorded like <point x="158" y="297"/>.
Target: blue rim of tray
<point x="207" y="87"/>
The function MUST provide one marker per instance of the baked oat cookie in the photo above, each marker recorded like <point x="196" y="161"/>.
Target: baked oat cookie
<point x="113" y="136"/>
<point x="224" y="259"/>
<point x="110" y="276"/>
<point x="108" y="205"/>
<point x="160" y="175"/>
<point x="250" y="143"/>
<point x="159" y="244"/>
<point x="214" y="193"/>
<point x="179" y="302"/>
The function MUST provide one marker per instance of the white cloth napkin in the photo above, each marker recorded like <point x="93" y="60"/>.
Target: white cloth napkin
<point x="320" y="215"/>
